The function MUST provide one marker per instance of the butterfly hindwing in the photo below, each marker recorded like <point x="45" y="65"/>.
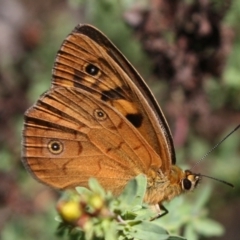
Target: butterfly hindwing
<point x="64" y="144"/>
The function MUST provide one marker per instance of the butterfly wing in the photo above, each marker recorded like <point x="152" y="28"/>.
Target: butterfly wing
<point x="70" y="136"/>
<point x="88" y="60"/>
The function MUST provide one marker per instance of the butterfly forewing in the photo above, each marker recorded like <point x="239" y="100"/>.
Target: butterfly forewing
<point x="89" y="61"/>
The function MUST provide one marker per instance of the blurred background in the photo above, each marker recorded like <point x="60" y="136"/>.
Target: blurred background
<point x="189" y="54"/>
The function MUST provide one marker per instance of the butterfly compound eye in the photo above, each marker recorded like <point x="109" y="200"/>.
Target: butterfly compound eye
<point x="55" y="147"/>
<point x="186" y="184"/>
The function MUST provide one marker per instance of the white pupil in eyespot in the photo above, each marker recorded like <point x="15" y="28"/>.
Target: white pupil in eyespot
<point x="55" y="146"/>
<point x="100" y="114"/>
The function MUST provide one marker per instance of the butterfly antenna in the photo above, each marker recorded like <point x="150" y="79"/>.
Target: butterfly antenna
<point x="219" y="180"/>
<point x="235" y="129"/>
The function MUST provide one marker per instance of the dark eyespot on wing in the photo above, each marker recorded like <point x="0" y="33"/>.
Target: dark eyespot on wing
<point x="111" y="94"/>
<point x="136" y="119"/>
<point x="92" y="69"/>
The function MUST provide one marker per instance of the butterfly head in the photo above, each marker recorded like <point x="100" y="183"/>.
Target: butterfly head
<point x="190" y="180"/>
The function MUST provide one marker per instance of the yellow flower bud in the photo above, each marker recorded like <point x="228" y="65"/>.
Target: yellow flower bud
<point x="96" y="202"/>
<point x="69" y="211"/>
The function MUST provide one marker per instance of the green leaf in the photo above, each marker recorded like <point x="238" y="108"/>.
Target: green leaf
<point x="95" y="186"/>
<point x="203" y="197"/>
<point x="149" y="230"/>
<point x="177" y="238"/>
<point x="134" y="192"/>
<point x="208" y="227"/>
<point x="190" y="233"/>
<point x="83" y="191"/>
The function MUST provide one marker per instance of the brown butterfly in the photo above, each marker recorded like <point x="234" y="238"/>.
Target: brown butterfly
<point x="99" y="119"/>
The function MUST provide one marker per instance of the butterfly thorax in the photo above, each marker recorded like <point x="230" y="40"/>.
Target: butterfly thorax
<point x="164" y="187"/>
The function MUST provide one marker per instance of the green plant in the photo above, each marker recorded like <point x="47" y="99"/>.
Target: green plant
<point x="96" y="214"/>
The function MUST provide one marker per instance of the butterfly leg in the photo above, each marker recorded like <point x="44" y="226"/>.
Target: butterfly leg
<point x="162" y="211"/>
